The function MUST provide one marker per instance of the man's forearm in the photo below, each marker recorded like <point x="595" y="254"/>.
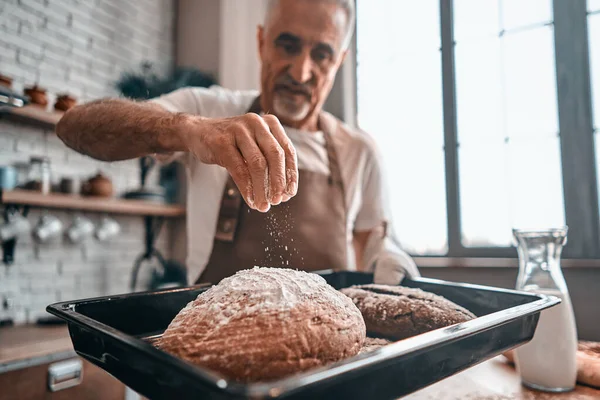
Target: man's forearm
<point x="254" y="149"/>
<point x="113" y="130"/>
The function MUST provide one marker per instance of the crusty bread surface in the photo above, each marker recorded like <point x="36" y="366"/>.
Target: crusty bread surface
<point x="373" y="344"/>
<point x="396" y="312"/>
<point x="266" y="323"/>
<point x="588" y="363"/>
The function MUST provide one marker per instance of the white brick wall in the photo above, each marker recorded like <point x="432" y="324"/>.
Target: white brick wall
<point x="80" y="47"/>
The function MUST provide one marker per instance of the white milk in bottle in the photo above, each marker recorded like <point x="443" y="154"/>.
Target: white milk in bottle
<point x="549" y="361"/>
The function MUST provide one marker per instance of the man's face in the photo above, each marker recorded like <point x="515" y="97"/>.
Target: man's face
<point x="301" y="50"/>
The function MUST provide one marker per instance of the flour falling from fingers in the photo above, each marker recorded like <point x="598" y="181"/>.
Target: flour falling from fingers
<point x="279" y="247"/>
<point x="267" y="187"/>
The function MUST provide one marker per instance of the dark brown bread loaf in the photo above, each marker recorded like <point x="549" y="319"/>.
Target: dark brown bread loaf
<point x="397" y="312"/>
<point x="266" y="323"/>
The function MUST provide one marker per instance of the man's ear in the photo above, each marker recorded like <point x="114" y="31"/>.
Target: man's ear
<point x="260" y="39"/>
<point x="343" y="57"/>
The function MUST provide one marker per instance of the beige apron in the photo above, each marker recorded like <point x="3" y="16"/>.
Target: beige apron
<point x="308" y="232"/>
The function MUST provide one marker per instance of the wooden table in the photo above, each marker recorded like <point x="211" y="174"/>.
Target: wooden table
<point x="494" y="380"/>
<point x="22" y="346"/>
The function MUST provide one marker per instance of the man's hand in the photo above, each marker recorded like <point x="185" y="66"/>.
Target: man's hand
<point x="374" y="253"/>
<point x="254" y="149"/>
<point x="256" y="152"/>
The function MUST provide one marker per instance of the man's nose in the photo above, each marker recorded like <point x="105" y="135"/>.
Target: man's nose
<point x="301" y="68"/>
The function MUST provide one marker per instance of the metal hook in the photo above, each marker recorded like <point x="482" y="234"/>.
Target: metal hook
<point x="8" y="247"/>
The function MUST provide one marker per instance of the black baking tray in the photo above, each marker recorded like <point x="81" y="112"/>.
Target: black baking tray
<point x="116" y="334"/>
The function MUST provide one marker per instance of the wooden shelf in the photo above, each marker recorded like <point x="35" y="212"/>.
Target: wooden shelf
<point x="92" y="204"/>
<point x="33" y="114"/>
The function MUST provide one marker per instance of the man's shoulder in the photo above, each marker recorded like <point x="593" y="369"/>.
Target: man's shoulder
<point x="218" y="101"/>
<point x="356" y="139"/>
<point x="214" y="101"/>
<point x="224" y="94"/>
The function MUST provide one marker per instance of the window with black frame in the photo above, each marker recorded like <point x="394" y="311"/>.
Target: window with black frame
<point x="594" y="45"/>
<point x="483" y="115"/>
<point x="398" y="56"/>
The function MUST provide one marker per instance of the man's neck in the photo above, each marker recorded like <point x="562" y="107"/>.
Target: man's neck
<point x="309" y="124"/>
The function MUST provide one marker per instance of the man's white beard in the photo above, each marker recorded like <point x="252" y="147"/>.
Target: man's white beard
<point x="289" y="110"/>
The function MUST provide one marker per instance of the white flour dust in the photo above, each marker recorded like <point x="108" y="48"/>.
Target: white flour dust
<point x="279" y="248"/>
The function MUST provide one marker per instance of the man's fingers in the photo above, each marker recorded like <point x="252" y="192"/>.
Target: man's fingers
<point x="237" y="168"/>
<point x="257" y="167"/>
<point x="275" y="159"/>
<point x="291" y="160"/>
<point x="258" y="155"/>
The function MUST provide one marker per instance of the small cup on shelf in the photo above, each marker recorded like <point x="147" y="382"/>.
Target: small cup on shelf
<point x="8" y="177"/>
<point x="108" y="229"/>
<point x="80" y="229"/>
<point x="15" y="226"/>
<point x="47" y="228"/>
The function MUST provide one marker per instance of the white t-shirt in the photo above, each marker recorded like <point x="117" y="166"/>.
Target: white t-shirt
<point x="359" y="166"/>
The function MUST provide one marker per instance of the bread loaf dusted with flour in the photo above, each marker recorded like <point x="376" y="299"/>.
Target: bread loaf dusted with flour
<point x="266" y="323"/>
<point x="397" y="312"/>
<point x="372" y="344"/>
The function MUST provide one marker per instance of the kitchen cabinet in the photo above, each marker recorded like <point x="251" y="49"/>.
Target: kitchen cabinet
<point x="89" y="382"/>
<point x="34" y="358"/>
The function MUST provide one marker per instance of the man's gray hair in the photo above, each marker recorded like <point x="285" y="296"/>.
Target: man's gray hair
<point x="347" y="5"/>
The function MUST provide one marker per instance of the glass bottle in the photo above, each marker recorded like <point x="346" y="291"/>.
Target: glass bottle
<point x="549" y="361"/>
<point x="39" y="174"/>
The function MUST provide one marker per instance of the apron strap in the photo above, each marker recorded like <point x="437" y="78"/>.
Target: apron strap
<point x="231" y="202"/>
<point x="229" y="213"/>
<point x="329" y="126"/>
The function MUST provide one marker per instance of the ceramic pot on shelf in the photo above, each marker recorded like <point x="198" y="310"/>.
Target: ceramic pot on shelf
<point x="99" y="186"/>
<point x="6" y="81"/>
<point x="64" y="102"/>
<point x="37" y="95"/>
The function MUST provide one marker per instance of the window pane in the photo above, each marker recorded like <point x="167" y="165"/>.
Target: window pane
<point x="507" y="122"/>
<point x="484" y="197"/>
<point x="393" y="26"/>
<point x="509" y="185"/>
<point x="597" y="153"/>
<point x="415" y="24"/>
<point x="479" y="90"/>
<point x="593" y="5"/>
<point x="400" y="105"/>
<point x="524" y="13"/>
<point x="416" y="185"/>
<point x="476" y="19"/>
<point x="536" y="183"/>
<point x="594" y="44"/>
<point x="416" y="103"/>
<point x="530" y="80"/>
